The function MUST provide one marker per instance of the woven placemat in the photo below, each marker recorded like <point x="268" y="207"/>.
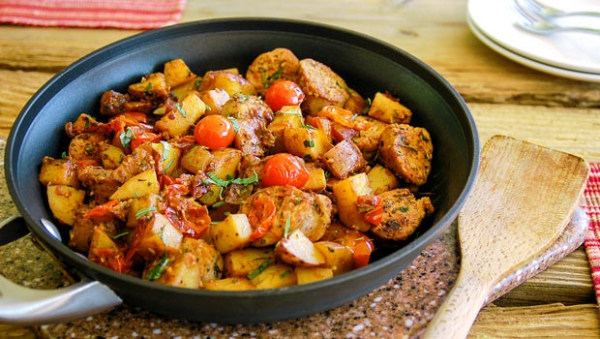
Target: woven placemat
<point x="122" y="14"/>
<point x="591" y="205"/>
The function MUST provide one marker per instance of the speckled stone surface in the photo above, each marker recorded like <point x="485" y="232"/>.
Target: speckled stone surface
<point x="401" y="308"/>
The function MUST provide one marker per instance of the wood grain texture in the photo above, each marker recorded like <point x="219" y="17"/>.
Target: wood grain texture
<point x="519" y="184"/>
<point x="504" y="97"/>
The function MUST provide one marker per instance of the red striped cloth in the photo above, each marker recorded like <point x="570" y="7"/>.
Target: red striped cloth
<point x="124" y="14"/>
<point x="591" y="205"/>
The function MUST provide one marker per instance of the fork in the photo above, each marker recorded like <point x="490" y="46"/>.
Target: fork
<point x="537" y="24"/>
<point x="549" y="12"/>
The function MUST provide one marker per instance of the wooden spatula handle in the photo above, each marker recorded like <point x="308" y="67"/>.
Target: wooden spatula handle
<point x="458" y="312"/>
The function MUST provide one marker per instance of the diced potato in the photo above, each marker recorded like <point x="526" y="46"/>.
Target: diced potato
<point x="346" y="194"/>
<point x="105" y="251"/>
<point x="309" y="144"/>
<point x="58" y="172"/>
<point x="64" y="201"/>
<point x="355" y="103"/>
<point x="169" y="157"/>
<point x="232" y="233"/>
<point x="186" y="113"/>
<point x="111" y="156"/>
<point x="288" y="116"/>
<point x="151" y="86"/>
<point x="182" y="91"/>
<point x="275" y="276"/>
<point x="232" y="83"/>
<point x="212" y="196"/>
<point x="229" y="284"/>
<point x="142" y="207"/>
<point x="337" y="256"/>
<point x="307" y="275"/>
<point x="137" y="186"/>
<point x="158" y="236"/>
<point x="344" y="159"/>
<point x="177" y="73"/>
<point x="225" y="162"/>
<point x="298" y="250"/>
<point x="215" y="99"/>
<point x="196" y="159"/>
<point x="242" y="262"/>
<point x="388" y="109"/>
<point x="381" y="179"/>
<point x="317" y="181"/>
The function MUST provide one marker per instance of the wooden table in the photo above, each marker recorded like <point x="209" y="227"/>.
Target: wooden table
<point x="505" y="98"/>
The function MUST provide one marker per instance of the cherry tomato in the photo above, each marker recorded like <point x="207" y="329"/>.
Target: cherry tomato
<point x="361" y="252"/>
<point x="372" y="206"/>
<point x="261" y="216"/>
<point x="284" y="169"/>
<point x="214" y="131"/>
<point x="283" y="93"/>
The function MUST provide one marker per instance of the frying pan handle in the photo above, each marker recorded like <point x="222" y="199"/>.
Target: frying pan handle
<point x="26" y="306"/>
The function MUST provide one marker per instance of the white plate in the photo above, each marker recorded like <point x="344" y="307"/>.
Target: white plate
<point x="567" y="50"/>
<point x="529" y="62"/>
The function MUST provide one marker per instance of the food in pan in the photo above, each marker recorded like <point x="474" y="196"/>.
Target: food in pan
<point x="282" y="176"/>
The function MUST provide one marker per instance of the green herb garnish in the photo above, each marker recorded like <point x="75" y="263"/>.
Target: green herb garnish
<point x="157" y="270"/>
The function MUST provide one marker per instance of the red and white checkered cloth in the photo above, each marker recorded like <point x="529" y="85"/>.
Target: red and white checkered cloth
<point x="591" y="205"/>
<point x="124" y="14"/>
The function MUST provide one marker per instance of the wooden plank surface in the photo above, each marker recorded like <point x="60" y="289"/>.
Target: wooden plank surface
<point x="505" y="98"/>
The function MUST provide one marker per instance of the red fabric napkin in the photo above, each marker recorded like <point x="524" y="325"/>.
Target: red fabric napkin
<point x="124" y="14"/>
<point x="591" y="205"/>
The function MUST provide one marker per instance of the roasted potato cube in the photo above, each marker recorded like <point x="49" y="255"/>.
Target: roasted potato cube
<point x="232" y="83"/>
<point x="242" y="262"/>
<point x="317" y="180"/>
<point x="112" y="156"/>
<point x="382" y="179"/>
<point x="58" y="172"/>
<point x="229" y="284"/>
<point x="288" y="116"/>
<point x="344" y="159"/>
<point x="151" y="86"/>
<point x="105" y="251"/>
<point x="388" y="109"/>
<point x="158" y="236"/>
<point x="355" y="103"/>
<point x="337" y="256"/>
<point x="298" y="250"/>
<point x="274" y="276"/>
<point x="64" y="201"/>
<point x="232" y="233"/>
<point x="177" y="73"/>
<point x="196" y="159"/>
<point x="186" y="113"/>
<point x="141" y="208"/>
<point x="169" y="157"/>
<point x="225" y="163"/>
<point x="137" y="186"/>
<point x="309" y="144"/>
<point x="214" y="100"/>
<point x="183" y="90"/>
<point x="307" y="275"/>
<point x="346" y="194"/>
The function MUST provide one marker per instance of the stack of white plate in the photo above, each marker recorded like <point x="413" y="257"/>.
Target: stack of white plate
<point x="572" y="55"/>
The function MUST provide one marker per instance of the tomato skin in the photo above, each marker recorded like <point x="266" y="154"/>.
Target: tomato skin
<point x="284" y="169"/>
<point x="214" y="131"/>
<point x="373" y="208"/>
<point x="361" y="252"/>
<point x="283" y="93"/>
<point x="261" y="216"/>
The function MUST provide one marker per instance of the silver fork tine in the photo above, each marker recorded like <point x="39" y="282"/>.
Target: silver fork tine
<point x="532" y="22"/>
<point x="549" y="12"/>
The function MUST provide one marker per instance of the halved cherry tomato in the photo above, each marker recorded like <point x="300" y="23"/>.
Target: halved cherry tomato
<point x="283" y="93"/>
<point x="361" y="252"/>
<point x="261" y="216"/>
<point x="372" y="206"/>
<point x="214" y="131"/>
<point x="284" y="169"/>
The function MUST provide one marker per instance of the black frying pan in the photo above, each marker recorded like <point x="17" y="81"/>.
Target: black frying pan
<point x="368" y="65"/>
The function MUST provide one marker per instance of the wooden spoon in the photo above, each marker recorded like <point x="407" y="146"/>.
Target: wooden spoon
<point x="521" y="202"/>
